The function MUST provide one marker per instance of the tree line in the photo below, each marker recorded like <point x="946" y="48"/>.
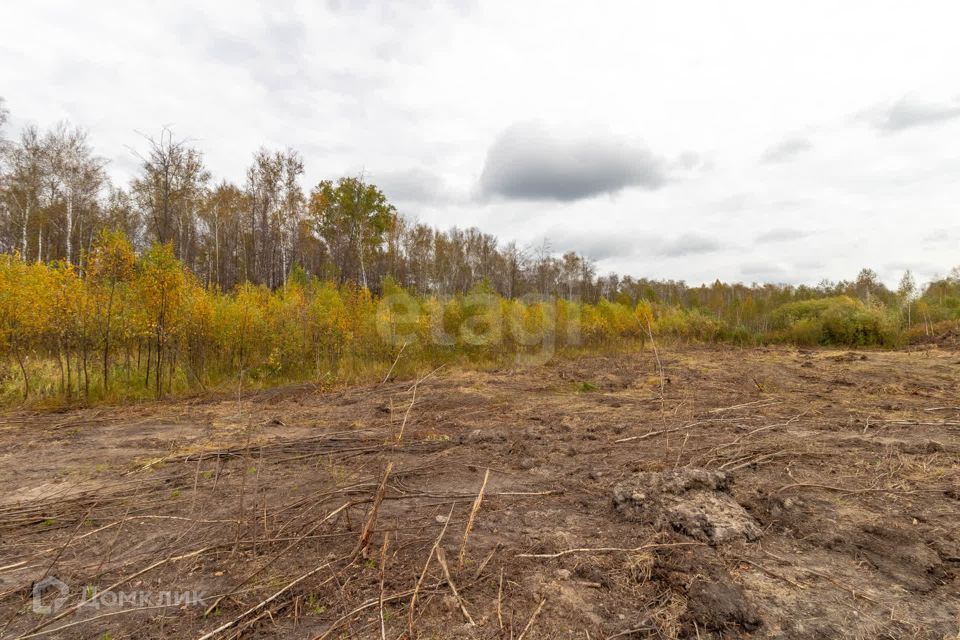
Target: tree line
<point x="175" y="281"/>
<point x="56" y="196"/>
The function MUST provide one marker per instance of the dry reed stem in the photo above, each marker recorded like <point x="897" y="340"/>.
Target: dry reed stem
<point x="500" y="600"/>
<point x="442" y="559"/>
<point x="372" y="516"/>
<point x="383" y="564"/>
<point x="423" y="574"/>
<point x="567" y="552"/>
<point x="473" y="515"/>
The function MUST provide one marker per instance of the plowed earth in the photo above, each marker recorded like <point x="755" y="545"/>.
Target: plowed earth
<point x="768" y="493"/>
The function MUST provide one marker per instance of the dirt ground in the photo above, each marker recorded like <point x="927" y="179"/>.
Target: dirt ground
<point x="767" y="493"/>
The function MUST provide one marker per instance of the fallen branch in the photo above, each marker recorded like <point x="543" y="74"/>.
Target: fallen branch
<point x="630" y="632"/>
<point x="279" y="555"/>
<point x="645" y="547"/>
<point x="763" y="401"/>
<point x="101" y="593"/>
<point x="264" y="603"/>
<point x="661" y="432"/>
<point x="366" y="605"/>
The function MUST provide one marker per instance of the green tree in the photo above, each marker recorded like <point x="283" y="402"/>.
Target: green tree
<point x="352" y="217"/>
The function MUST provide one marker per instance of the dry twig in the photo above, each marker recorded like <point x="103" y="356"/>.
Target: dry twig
<point x="532" y="619"/>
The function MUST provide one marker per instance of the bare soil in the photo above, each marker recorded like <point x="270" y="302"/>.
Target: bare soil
<point x="768" y="493"/>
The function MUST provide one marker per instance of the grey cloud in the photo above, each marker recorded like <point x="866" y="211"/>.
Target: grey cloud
<point x="781" y="235"/>
<point x="598" y="246"/>
<point x="941" y="237"/>
<point x="734" y="203"/>
<point x="764" y="272"/>
<point x="907" y="113"/>
<point x="786" y="150"/>
<point x="526" y="162"/>
<point x="232" y="49"/>
<point x="412" y="185"/>
<point x="895" y="269"/>
<point x="692" y="161"/>
<point x="689" y="244"/>
<point x="274" y="52"/>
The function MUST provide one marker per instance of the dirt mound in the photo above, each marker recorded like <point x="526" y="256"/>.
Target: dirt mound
<point x="714" y="601"/>
<point x="944" y="338"/>
<point x="695" y="502"/>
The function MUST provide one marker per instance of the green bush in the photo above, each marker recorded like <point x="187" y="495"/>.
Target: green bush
<point x="838" y="320"/>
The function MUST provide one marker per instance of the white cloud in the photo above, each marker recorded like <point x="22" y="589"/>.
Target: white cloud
<point x="786" y="150"/>
<point x="908" y="113"/>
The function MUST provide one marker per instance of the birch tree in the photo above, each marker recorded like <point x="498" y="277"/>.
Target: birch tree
<point x="169" y="190"/>
<point x="76" y="177"/>
<point x="276" y="204"/>
<point x="22" y="188"/>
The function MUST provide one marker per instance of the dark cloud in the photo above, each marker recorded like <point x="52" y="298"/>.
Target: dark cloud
<point x="780" y="235"/>
<point x="907" y="113"/>
<point x="689" y="244"/>
<point x="786" y="150"/>
<point x="526" y="162"/>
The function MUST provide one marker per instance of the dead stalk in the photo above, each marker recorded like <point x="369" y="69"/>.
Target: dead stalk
<point x="196" y="480"/>
<point x="500" y="600"/>
<point x="406" y="414"/>
<point x="399" y="353"/>
<point x="423" y="574"/>
<point x="442" y="559"/>
<point x="656" y="354"/>
<point x="473" y="515"/>
<point x="682" y="447"/>
<point x="372" y="516"/>
<point x="383" y="564"/>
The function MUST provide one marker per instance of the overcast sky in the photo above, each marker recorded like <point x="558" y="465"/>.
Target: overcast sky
<point x="750" y="141"/>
